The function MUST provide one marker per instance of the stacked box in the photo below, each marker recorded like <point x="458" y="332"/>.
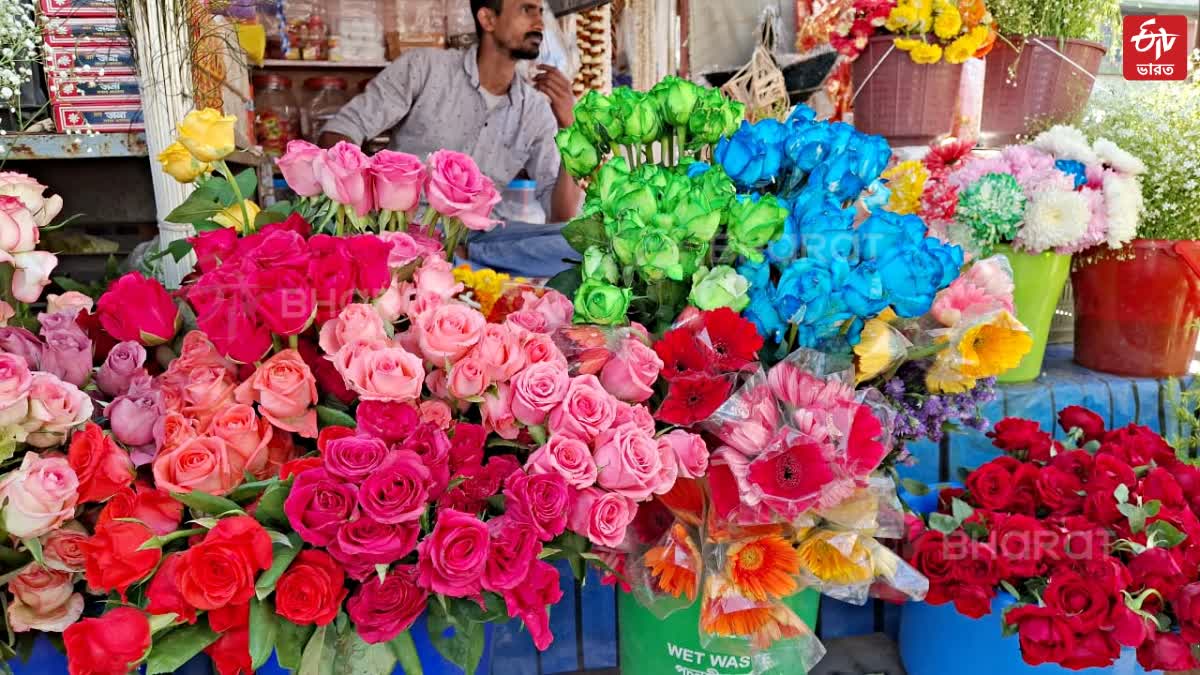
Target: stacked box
<point x="90" y="69"/>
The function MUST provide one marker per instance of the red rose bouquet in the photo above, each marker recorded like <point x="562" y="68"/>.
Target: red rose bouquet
<point x="1095" y="539"/>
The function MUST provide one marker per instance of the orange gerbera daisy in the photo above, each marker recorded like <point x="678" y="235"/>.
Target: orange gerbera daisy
<point x="763" y="568"/>
<point x="725" y="613"/>
<point x="676" y="564"/>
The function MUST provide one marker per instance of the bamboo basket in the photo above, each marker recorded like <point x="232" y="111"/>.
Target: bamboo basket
<point x="760" y="84"/>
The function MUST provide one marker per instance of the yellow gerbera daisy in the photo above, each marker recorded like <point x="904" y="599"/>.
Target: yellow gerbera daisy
<point x="906" y="180"/>
<point x="961" y="49"/>
<point x="948" y="23"/>
<point x="944" y="378"/>
<point x="901" y="18"/>
<point x="906" y="44"/>
<point x="836" y="558"/>
<point x="926" y="53"/>
<point x="993" y="346"/>
<point x="880" y="347"/>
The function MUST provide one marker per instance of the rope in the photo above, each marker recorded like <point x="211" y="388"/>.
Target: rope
<point x="891" y="48"/>
<point x="1064" y="57"/>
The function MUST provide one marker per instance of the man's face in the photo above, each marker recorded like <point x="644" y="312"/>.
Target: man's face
<point x="519" y="28"/>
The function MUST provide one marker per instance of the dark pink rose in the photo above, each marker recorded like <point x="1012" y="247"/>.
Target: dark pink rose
<point x="602" y="516"/>
<point x="398" y="491"/>
<point x="433" y="447"/>
<point x="354" y="458"/>
<point x="529" y="601"/>
<point x="466" y="446"/>
<point x="363" y="543"/>
<point x="389" y="422"/>
<point x="541" y="501"/>
<point x="319" y="505"/>
<point x="137" y="308"/>
<point x="381" y="610"/>
<point x="451" y="560"/>
<point x="513" y="548"/>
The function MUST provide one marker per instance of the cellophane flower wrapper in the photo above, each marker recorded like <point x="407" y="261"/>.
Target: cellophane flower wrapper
<point x="589" y="348"/>
<point x="665" y="577"/>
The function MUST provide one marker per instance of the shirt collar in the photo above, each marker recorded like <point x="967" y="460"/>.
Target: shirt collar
<point x="471" y="66"/>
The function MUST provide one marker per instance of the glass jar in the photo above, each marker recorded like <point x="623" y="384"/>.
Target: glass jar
<point x="276" y="113"/>
<point x="328" y="97"/>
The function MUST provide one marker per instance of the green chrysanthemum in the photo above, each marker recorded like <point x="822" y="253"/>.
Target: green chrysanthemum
<point x="992" y="207"/>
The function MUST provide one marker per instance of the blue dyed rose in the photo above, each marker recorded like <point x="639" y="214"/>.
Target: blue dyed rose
<point x="1075" y="169"/>
<point x="753" y="155"/>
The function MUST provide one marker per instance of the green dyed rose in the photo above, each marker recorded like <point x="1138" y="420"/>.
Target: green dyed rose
<point x="992" y="207"/>
<point x="753" y="222"/>
<point x="599" y="119"/>
<point x="625" y="233"/>
<point x="653" y="176"/>
<point x="735" y="112"/>
<point x="719" y="287"/>
<point x="579" y="154"/>
<point x="713" y="189"/>
<point x="709" y="119"/>
<point x="643" y="124"/>
<point x="634" y="197"/>
<point x="692" y="253"/>
<point x="601" y="303"/>
<point x="697" y="222"/>
<point x="610" y="181"/>
<point x="600" y="265"/>
<point x="658" y="256"/>
<point x="677" y="98"/>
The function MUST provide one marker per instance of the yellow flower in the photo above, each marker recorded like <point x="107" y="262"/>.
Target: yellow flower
<point x="906" y="44"/>
<point x="906" y="180"/>
<point x="232" y="216"/>
<point x="836" y="558"/>
<point x="961" y="49"/>
<point x="993" y="345"/>
<point x="944" y="378"/>
<point x="924" y="14"/>
<point x="948" y="23"/>
<point x="979" y="34"/>
<point x="207" y="134"/>
<point x="180" y="165"/>
<point x="926" y="53"/>
<point x="901" y="18"/>
<point x="879" y="348"/>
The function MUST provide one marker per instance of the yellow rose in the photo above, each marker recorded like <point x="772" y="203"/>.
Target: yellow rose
<point x="179" y="163"/>
<point x="207" y="134"/>
<point x="880" y="348"/>
<point x="961" y="49"/>
<point x="902" y="17"/>
<point x="948" y="23"/>
<point x="906" y="44"/>
<point x="232" y="216"/>
<point x="926" y="53"/>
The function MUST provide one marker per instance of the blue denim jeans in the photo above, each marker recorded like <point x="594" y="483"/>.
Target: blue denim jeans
<point x="522" y="249"/>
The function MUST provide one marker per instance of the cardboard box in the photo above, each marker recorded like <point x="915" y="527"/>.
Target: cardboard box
<point x="105" y="118"/>
<point x="90" y="60"/>
<point x="85" y="33"/>
<point x="83" y="89"/>
<point x="79" y="9"/>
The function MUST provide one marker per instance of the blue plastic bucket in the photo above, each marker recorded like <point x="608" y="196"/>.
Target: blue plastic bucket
<point x="937" y="640"/>
<point x="432" y="662"/>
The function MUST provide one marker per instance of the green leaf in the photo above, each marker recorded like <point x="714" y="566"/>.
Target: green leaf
<point x="247" y="182"/>
<point x="318" y="654"/>
<point x="270" y="507"/>
<point x="206" y="503"/>
<point x="35" y="549"/>
<point x="406" y="653"/>
<point x="961" y="510"/>
<point x="462" y="645"/>
<point x="355" y="657"/>
<point x="196" y="208"/>
<point x="381" y="571"/>
<point x="1010" y="589"/>
<point x="942" y="523"/>
<point x="1152" y="508"/>
<point x="289" y="643"/>
<point x="176" y="647"/>
<point x="915" y="487"/>
<point x="276" y="213"/>
<point x="976" y="531"/>
<point x="328" y="417"/>
<point x="207" y="226"/>
<point x="247" y="492"/>
<point x="264" y="629"/>
<point x="586" y="231"/>
<point x="282" y="558"/>
<point x="71" y="285"/>
<point x="1121" y="493"/>
<point x="178" y="249"/>
<point x="567" y="281"/>
<point x="1165" y="535"/>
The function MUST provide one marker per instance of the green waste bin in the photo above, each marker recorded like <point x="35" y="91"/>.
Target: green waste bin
<point x="654" y="646"/>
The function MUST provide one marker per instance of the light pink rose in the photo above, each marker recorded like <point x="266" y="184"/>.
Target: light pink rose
<point x="356" y="322"/>
<point x="18" y="228"/>
<point x="457" y="189"/>
<point x="206" y="390"/>
<point x="567" y="457"/>
<point x="436" y="276"/>
<point x="31" y="273"/>
<point x="423" y="303"/>
<point x="497" y="414"/>
<point x="31" y="193"/>
<point x="586" y="410"/>
<point x="62" y="551"/>
<point x="557" y="308"/>
<point x="528" y="321"/>
<point x="689" y="451"/>
<point x="394" y="302"/>
<point x="286" y="392"/>
<point x="397" y="178"/>
<point x="631" y="373"/>
<point x="298" y="165"/>
<point x="406" y="249"/>
<point x="448" y="332"/>
<point x="437" y="382"/>
<point x="468" y="379"/>
<point x="15" y="382"/>
<point x="630" y="462"/>
<point x="246" y="435"/>
<point x="123" y="363"/>
<point x="382" y="373"/>
<point x="71" y="300"/>
<point x="638" y="415"/>
<point x="55" y="407"/>
<point x="39" y="496"/>
<point x="602" y="516"/>
<point x="43" y="599"/>
<point x="68" y="354"/>
<point x="343" y="173"/>
<point x="133" y="417"/>
<point x="537" y="390"/>
<point x="436" y="413"/>
<point x="541" y="349"/>
<point x="499" y="349"/>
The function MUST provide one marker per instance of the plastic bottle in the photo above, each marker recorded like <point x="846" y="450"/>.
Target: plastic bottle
<point x="521" y="204"/>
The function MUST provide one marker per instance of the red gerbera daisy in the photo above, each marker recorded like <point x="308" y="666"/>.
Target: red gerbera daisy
<point x="735" y="340"/>
<point x="793" y="474"/>
<point x="693" y="398"/>
<point x="683" y="355"/>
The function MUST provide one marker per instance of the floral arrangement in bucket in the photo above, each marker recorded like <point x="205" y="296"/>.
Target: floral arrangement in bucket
<point x="929" y="30"/>
<point x="1094" y="537"/>
<point x="1085" y="19"/>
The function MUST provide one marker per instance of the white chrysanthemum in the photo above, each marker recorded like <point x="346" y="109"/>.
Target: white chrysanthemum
<point x="1054" y="219"/>
<point x="1123" y="204"/>
<point x="1065" y="142"/>
<point x="1117" y="157"/>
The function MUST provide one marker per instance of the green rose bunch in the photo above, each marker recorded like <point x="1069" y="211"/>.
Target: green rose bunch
<point x="579" y="154"/>
<point x="719" y="287"/>
<point x="602" y="303"/>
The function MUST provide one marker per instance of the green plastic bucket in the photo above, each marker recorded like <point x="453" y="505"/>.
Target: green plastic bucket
<point x="1039" y="280"/>
<point x="654" y="646"/>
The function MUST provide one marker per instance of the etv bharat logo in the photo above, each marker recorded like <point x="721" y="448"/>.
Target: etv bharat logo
<point x="1155" y="48"/>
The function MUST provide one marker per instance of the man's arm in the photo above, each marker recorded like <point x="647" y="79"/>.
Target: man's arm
<point x="383" y="105"/>
<point x="567" y="195"/>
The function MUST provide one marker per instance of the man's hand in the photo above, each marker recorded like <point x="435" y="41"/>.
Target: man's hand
<point x="551" y="82"/>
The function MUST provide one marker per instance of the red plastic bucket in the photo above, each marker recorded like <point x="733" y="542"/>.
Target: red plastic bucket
<point x="907" y="103"/>
<point x="1136" y="308"/>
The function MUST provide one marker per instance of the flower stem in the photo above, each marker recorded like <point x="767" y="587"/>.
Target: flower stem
<point x="247" y="225"/>
<point x="159" y="542"/>
<point x="428" y="219"/>
<point x="926" y="352"/>
<point x="682" y="140"/>
<point x="294" y="341"/>
<point x="341" y="220"/>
